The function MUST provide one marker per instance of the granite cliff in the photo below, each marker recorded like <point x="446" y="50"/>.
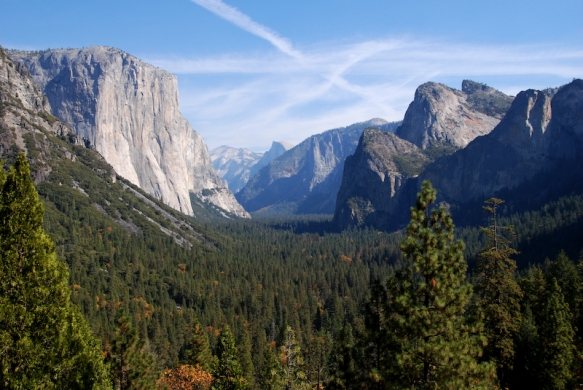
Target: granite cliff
<point x="532" y="156"/>
<point x="73" y="179"/>
<point x="381" y="164"/>
<point x="306" y="178"/>
<point x="129" y="111"/>
<point x="440" y="115"/>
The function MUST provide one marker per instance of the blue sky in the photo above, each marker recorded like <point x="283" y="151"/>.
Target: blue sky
<point x="260" y="70"/>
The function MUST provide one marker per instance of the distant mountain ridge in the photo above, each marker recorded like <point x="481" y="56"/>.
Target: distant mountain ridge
<point x="306" y="178"/>
<point x="532" y="156"/>
<point x="237" y="165"/>
<point x="129" y="111"/>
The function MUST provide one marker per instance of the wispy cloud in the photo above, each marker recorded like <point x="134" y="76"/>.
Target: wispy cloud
<point x="276" y="97"/>
<point x="243" y="21"/>
<point x="290" y="94"/>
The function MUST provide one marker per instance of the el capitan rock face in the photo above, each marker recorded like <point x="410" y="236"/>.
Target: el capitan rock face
<point x="306" y="179"/>
<point x="440" y="115"/>
<point x="129" y="111"/>
<point x="539" y="139"/>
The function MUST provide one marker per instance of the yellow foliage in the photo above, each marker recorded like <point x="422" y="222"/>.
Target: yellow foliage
<point x="185" y="377"/>
<point x="346" y="259"/>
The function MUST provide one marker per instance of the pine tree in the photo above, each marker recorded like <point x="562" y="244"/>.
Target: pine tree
<point x="245" y="348"/>
<point x="343" y="373"/>
<point x="132" y="363"/>
<point x="376" y="340"/>
<point x="565" y="272"/>
<point x="228" y="374"/>
<point x="498" y="294"/>
<point x="437" y="346"/>
<point x="44" y="341"/>
<point x="272" y="376"/>
<point x="198" y="351"/>
<point x="291" y="353"/>
<point x="557" y="350"/>
<point x="316" y="354"/>
<point x="526" y="368"/>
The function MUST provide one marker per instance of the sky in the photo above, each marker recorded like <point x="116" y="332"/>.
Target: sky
<point x="251" y="72"/>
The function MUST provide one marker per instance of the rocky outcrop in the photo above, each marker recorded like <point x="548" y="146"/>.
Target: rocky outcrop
<point x="534" y="154"/>
<point x="129" y="111"/>
<point x="306" y="178"/>
<point x="24" y="112"/>
<point x="533" y="135"/>
<point x="440" y="115"/>
<point x="237" y="165"/>
<point x="381" y="164"/>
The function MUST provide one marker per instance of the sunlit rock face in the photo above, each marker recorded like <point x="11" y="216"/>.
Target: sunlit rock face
<point x="440" y="115"/>
<point x="129" y="110"/>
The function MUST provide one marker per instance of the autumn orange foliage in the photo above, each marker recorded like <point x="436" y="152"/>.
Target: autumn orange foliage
<point x="185" y="377"/>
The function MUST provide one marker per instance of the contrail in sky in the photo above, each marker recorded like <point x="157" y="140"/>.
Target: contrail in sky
<point x="238" y="18"/>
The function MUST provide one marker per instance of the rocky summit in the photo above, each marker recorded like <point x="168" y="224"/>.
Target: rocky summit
<point x="531" y="157"/>
<point x="440" y="115"/>
<point x="306" y="178"/>
<point x="129" y="111"/>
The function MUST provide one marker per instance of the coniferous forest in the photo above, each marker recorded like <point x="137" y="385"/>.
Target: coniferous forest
<point x="283" y="303"/>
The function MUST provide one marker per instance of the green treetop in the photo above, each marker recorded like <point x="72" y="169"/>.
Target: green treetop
<point x="557" y="348"/>
<point x="198" y="352"/>
<point x="295" y="377"/>
<point x="498" y="294"/>
<point x="132" y="363"/>
<point x="437" y="346"/>
<point x="228" y="374"/>
<point x="44" y="341"/>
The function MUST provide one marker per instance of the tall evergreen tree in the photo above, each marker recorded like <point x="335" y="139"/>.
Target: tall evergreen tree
<point x="437" y="347"/>
<point x="497" y="292"/>
<point x="557" y="349"/>
<point x="228" y="374"/>
<point x="272" y="376"/>
<point x="342" y="372"/>
<point x="132" y="363"/>
<point x="295" y="377"/>
<point x="245" y="348"/>
<point x="565" y="272"/>
<point x="375" y="343"/>
<point x="44" y="341"/>
<point x="526" y="364"/>
<point x="198" y="351"/>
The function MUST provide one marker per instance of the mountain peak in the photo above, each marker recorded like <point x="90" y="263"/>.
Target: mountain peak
<point x="440" y="115"/>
